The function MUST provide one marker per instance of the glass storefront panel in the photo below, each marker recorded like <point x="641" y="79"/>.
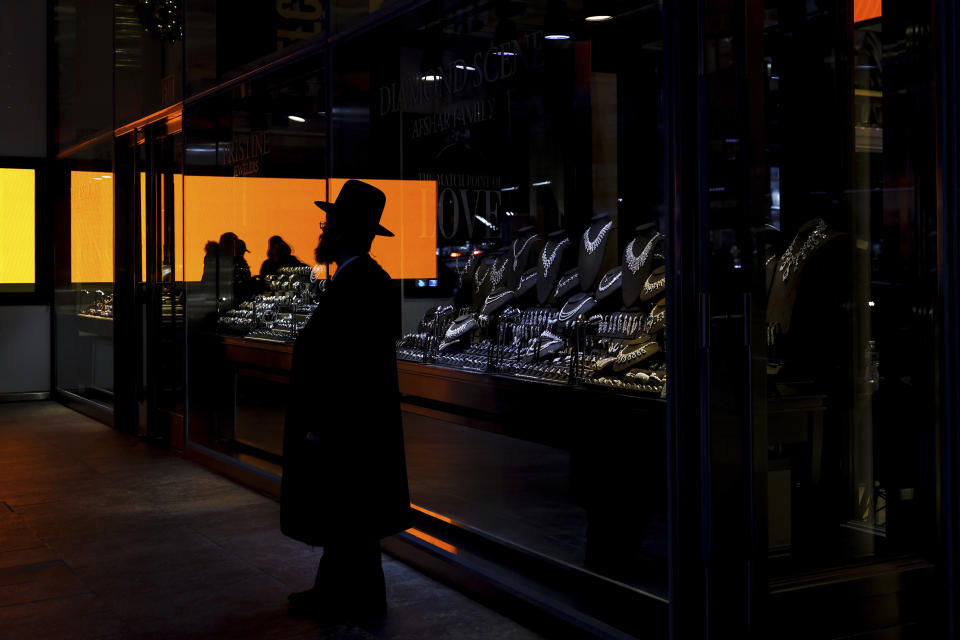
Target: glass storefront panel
<point x="521" y="154"/>
<point x="84" y="276"/>
<point x="345" y="13"/>
<point x="823" y="275"/>
<point x="522" y="149"/>
<point x="225" y="39"/>
<point x="148" y="57"/>
<point x="255" y="161"/>
<point x="531" y="361"/>
<point x="83" y="40"/>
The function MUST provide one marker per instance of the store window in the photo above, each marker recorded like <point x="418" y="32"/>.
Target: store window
<point x="520" y="148"/>
<point x="84" y="276"/>
<point x="350" y="12"/>
<point x="225" y="39"/>
<point x="18" y="222"/>
<point x="255" y="162"/>
<point x="822" y="210"/>
<point x="532" y="364"/>
<point x="82" y="34"/>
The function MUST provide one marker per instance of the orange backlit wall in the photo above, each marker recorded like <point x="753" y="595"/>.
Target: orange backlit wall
<point x="257" y="208"/>
<point x="17" y="240"/>
<point x="254" y="209"/>
<point x="867" y="9"/>
<point x="91" y="226"/>
<point x="411" y="213"/>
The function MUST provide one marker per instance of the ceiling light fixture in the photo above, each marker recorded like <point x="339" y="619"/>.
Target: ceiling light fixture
<point x="598" y="18"/>
<point x="297" y="119"/>
<point x="555" y="23"/>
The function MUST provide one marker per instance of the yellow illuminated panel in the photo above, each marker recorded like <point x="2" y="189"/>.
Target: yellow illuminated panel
<point x="410" y="213"/>
<point x="91" y="226"/>
<point x="17" y="240"/>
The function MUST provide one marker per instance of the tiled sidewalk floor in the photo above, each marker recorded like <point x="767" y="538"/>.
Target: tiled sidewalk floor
<point x="102" y="536"/>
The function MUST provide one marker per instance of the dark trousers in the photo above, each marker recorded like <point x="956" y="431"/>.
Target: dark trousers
<point x="351" y="571"/>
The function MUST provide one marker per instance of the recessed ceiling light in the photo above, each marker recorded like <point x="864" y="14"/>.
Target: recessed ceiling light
<point x="431" y="78"/>
<point x="297" y="119"/>
<point x="557" y="36"/>
<point x="466" y="68"/>
<point x="542" y="183"/>
<point x="598" y="18"/>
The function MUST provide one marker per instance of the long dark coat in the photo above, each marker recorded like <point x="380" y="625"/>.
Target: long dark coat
<point x="351" y="483"/>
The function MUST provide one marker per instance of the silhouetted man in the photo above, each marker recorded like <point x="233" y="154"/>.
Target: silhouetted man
<point x="344" y="472"/>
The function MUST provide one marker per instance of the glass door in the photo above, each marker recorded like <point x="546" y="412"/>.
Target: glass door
<point x="150" y="279"/>
<point x="820" y="236"/>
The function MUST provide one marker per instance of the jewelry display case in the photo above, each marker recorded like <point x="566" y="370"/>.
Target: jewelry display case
<point x="279" y="312"/>
<point x="95" y="304"/>
<point x="608" y="336"/>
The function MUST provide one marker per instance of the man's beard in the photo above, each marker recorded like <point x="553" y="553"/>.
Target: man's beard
<point x="324" y="252"/>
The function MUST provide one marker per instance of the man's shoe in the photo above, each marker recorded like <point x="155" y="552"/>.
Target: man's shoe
<point x="334" y="612"/>
<point x="304" y="604"/>
<point x="302" y="596"/>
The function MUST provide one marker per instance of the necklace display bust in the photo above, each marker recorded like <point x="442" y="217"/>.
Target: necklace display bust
<point x="593" y="245"/>
<point x="567" y="284"/>
<point x="610" y="283"/>
<point x="522" y="251"/>
<point x="638" y="259"/>
<point x="481" y="283"/>
<point x="549" y="264"/>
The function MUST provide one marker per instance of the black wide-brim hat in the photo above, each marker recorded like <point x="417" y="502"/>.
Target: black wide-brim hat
<point x="358" y="206"/>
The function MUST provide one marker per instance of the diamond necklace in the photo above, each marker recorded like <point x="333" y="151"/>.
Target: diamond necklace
<point x="563" y="317"/>
<point x="567" y="280"/>
<point x="608" y="280"/>
<point x="548" y="260"/>
<point x="496" y="273"/>
<point x="790" y="262"/>
<point x="591" y="245"/>
<point x="523" y="247"/>
<point x="494" y="298"/>
<point x="478" y="282"/>
<point x="455" y="331"/>
<point x="634" y="262"/>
